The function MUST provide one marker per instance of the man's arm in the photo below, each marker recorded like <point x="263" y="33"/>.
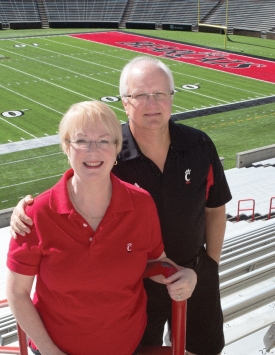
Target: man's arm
<point x="19" y="220"/>
<point x="215" y="219"/>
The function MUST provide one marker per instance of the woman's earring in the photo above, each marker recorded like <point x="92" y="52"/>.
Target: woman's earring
<point x="115" y="163"/>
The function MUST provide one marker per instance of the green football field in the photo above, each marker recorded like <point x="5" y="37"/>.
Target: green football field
<point x="42" y="75"/>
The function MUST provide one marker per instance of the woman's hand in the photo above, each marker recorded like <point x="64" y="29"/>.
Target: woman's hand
<point x="182" y="284"/>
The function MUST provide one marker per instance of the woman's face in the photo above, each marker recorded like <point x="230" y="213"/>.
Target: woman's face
<point x="92" y="152"/>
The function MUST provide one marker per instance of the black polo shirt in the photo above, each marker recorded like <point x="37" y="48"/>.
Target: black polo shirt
<point x="193" y="178"/>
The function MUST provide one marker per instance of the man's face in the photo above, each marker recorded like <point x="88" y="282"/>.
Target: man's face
<point x="149" y="112"/>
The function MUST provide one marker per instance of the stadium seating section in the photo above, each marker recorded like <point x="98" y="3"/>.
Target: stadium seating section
<point x="241" y="14"/>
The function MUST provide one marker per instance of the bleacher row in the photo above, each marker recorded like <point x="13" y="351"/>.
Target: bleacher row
<point x="82" y="10"/>
<point x="247" y="267"/>
<point x="177" y="11"/>
<point x="247" y="276"/>
<point x="255" y="14"/>
<point x="19" y="11"/>
<point x="242" y="14"/>
<point x="254" y="183"/>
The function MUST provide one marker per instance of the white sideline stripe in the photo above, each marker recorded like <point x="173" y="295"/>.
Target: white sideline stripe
<point x="27" y="182"/>
<point x="231" y="103"/>
<point x="29" y="144"/>
<point x="31" y="158"/>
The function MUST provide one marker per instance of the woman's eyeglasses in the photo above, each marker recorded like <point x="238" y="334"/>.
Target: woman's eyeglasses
<point x="83" y="144"/>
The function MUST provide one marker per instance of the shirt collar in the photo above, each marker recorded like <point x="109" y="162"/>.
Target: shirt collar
<point x="60" y="202"/>
<point x="59" y="197"/>
<point x="178" y="135"/>
<point x="130" y="149"/>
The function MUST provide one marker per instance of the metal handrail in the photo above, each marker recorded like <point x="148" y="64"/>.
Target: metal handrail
<point x="22" y="349"/>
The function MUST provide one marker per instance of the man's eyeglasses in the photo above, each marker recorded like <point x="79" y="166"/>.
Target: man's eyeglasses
<point x="83" y="144"/>
<point x="158" y="96"/>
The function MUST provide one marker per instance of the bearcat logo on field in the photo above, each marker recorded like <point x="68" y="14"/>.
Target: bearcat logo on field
<point x="209" y="57"/>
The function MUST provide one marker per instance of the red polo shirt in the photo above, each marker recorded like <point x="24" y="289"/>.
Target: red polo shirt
<point x="89" y="290"/>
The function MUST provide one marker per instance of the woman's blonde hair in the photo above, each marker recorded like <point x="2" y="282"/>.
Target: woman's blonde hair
<point x="82" y="115"/>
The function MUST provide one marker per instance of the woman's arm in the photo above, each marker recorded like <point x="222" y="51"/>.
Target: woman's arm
<point x="180" y="285"/>
<point x="18" y="290"/>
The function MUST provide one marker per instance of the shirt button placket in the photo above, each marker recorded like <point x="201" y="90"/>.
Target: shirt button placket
<point x="85" y="225"/>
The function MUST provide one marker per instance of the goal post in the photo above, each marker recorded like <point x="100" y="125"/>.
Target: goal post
<point x="224" y="27"/>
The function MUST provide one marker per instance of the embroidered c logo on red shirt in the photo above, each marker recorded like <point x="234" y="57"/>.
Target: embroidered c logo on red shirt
<point x="129" y="247"/>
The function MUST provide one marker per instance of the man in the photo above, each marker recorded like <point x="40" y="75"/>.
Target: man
<point x="180" y="168"/>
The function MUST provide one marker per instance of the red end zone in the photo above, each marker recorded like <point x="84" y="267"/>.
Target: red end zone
<point x="219" y="60"/>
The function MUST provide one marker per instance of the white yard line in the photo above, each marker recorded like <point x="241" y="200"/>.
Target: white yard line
<point x="91" y="50"/>
<point x="28" y="98"/>
<point x="62" y="68"/>
<point x="11" y="124"/>
<point x="219" y="83"/>
<point x="31" y="158"/>
<point x="76" y="58"/>
<point x="47" y="81"/>
<point x="27" y="182"/>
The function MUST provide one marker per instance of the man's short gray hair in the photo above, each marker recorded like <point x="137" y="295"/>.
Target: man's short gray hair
<point x="123" y="84"/>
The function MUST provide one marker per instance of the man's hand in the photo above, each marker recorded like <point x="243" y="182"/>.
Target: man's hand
<point x="182" y="284"/>
<point x="19" y="219"/>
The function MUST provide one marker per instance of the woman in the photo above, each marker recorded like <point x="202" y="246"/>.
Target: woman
<point x="91" y="240"/>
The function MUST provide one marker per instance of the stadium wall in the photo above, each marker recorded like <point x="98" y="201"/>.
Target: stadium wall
<point x="25" y="25"/>
<point x="83" y="24"/>
<point x="270" y="35"/>
<point x="247" y="32"/>
<point x="245" y="159"/>
<point x="176" y="26"/>
<point x="5" y="216"/>
<point x="139" y="25"/>
<point x="211" y="29"/>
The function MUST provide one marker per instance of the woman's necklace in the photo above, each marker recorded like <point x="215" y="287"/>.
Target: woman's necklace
<point x="76" y="205"/>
